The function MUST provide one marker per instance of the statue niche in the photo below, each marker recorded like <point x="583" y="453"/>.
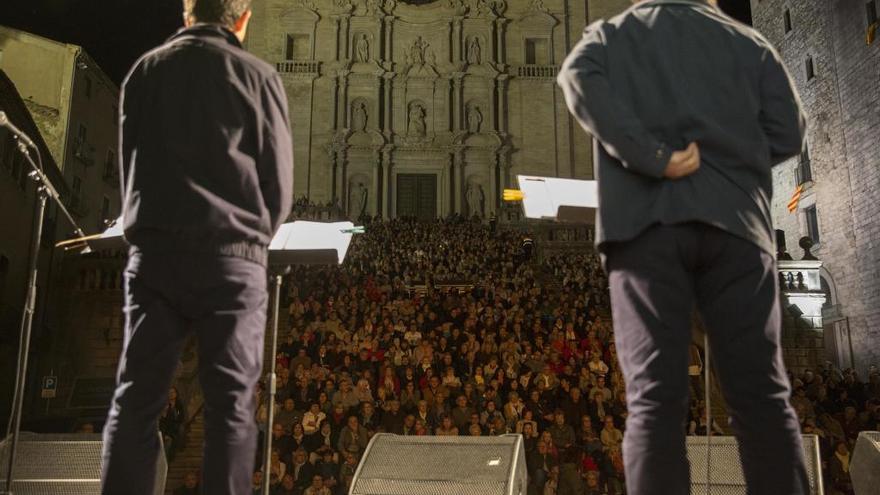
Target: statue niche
<point x="474" y="118"/>
<point x="476" y="200"/>
<point x="416" y="117"/>
<point x="358" y="195"/>
<point x="474" y="51"/>
<point x="359" y="116"/>
<point x="362" y="49"/>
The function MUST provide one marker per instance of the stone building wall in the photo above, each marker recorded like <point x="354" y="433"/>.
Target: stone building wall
<point x="842" y="102"/>
<point x="462" y="90"/>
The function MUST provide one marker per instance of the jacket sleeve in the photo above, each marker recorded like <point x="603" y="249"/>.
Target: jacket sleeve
<point x="590" y="98"/>
<point x="275" y="162"/>
<point x="782" y="117"/>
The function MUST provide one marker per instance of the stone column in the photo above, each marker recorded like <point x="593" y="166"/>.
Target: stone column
<point x="458" y="180"/>
<point x="342" y="179"/>
<point x="456" y="102"/>
<point x="501" y="87"/>
<point x="388" y="124"/>
<point x="492" y="194"/>
<point x="387" y="190"/>
<point x="389" y="24"/>
<point x="456" y="40"/>
<point x="344" y="39"/>
<point x="334" y="177"/>
<point x="501" y="50"/>
<point x="338" y="42"/>
<point x="342" y="100"/>
<point x="374" y="192"/>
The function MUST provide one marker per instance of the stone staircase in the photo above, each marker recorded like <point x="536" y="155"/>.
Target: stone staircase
<point x="189" y="458"/>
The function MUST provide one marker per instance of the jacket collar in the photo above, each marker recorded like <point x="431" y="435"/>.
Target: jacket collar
<point x="206" y="30"/>
<point x="693" y="3"/>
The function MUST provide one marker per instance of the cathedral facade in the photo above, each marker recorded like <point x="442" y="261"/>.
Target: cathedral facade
<point x="425" y="108"/>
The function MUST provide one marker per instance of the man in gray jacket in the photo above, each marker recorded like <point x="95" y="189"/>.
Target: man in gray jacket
<point x="690" y="110"/>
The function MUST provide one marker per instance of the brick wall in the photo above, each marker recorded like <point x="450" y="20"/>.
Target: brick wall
<point x="842" y="102"/>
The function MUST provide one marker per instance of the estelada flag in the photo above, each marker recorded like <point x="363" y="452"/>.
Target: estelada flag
<point x="795" y="199"/>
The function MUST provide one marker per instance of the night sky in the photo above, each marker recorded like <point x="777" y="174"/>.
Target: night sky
<point x="116" y="32"/>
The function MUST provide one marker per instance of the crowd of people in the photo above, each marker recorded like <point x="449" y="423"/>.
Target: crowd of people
<point x="450" y="328"/>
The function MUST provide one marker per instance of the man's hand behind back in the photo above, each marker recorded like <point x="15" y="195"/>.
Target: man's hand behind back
<point x="683" y="163"/>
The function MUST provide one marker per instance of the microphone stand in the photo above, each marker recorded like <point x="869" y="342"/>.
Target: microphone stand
<point x="45" y="190"/>
<point x="270" y="416"/>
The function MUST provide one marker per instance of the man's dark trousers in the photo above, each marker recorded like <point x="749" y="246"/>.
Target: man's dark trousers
<point x="656" y="282"/>
<point x="169" y="296"/>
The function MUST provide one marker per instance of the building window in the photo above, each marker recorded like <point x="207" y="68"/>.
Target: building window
<point x="75" y="192"/>
<point x="786" y="20"/>
<point x="536" y="51"/>
<point x="297" y="47"/>
<point x="812" y="223"/>
<point x="110" y="164"/>
<point x="805" y="169"/>
<point x="871" y="8"/>
<point x="810" y="68"/>
<point x="88" y="87"/>
<point x="105" y="214"/>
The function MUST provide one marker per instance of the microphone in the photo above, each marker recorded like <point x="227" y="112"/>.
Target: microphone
<point x="5" y="122"/>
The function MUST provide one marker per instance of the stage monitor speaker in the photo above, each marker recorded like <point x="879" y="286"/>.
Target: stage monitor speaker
<point x="61" y="464"/>
<point x="864" y="468"/>
<point x="726" y="475"/>
<point x="440" y="465"/>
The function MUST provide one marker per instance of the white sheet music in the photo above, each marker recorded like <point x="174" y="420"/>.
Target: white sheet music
<point x="302" y="235"/>
<point x="542" y="196"/>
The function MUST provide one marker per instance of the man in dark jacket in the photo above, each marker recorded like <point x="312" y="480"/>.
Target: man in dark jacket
<point x="207" y="171"/>
<point x="691" y="228"/>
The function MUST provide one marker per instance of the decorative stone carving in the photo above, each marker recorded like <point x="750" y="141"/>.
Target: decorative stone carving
<point x="460" y="7"/>
<point x="537" y="6"/>
<point x="362" y="49"/>
<point x="372" y="6"/>
<point x="417" y="126"/>
<point x="359" y="117"/>
<point x="474" y="118"/>
<point x="476" y="200"/>
<point x="343" y="5"/>
<point x="474" y="55"/>
<point x="420" y="53"/>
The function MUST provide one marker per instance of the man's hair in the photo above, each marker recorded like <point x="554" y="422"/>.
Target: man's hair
<point x="224" y="12"/>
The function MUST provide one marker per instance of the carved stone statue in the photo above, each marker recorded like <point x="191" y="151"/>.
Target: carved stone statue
<point x="417" y="120"/>
<point x="418" y="51"/>
<point x="474" y="119"/>
<point x="362" y="49"/>
<point x="475" y="200"/>
<point x="357" y="203"/>
<point x="359" y="117"/>
<point x="474" y="55"/>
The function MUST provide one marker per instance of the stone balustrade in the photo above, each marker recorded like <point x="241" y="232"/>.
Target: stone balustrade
<point x="534" y="71"/>
<point x="305" y="67"/>
<point x="799" y="276"/>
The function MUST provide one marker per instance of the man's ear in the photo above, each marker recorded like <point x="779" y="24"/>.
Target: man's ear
<point x="242" y="22"/>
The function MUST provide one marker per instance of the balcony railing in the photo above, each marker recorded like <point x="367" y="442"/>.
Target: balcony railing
<point x="534" y="71"/>
<point x="305" y="67"/>
<point x="800" y="276"/>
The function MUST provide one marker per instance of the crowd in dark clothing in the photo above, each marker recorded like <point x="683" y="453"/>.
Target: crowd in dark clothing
<point x="449" y="328"/>
<point x="837" y="405"/>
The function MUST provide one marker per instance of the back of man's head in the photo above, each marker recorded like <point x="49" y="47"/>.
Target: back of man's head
<point x="224" y="12"/>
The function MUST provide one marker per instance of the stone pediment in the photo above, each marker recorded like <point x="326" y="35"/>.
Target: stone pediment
<point x="479" y="140"/>
<point x="360" y="139"/>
